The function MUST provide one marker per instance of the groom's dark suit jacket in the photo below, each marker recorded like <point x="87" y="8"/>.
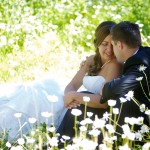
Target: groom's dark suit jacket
<point x="127" y="82"/>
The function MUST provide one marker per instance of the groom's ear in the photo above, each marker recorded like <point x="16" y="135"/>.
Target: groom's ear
<point x="119" y="44"/>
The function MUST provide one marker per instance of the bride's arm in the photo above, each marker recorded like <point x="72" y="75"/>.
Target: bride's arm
<point x="76" y="82"/>
<point x="71" y="99"/>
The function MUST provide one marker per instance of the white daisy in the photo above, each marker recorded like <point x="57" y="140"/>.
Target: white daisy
<point x="139" y="78"/>
<point x="142" y="68"/>
<point x="76" y="112"/>
<point x="129" y="95"/>
<point x="86" y="98"/>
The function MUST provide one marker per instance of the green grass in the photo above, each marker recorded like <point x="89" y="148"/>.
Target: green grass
<point x="41" y="36"/>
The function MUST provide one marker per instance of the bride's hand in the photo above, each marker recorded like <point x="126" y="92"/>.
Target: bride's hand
<point x="69" y="100"/>
<point x="74" y="103"/>
<point x="87" y="62"/>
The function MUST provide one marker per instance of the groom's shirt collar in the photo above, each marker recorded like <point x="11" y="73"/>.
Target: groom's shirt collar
<point x="133" y="54"/>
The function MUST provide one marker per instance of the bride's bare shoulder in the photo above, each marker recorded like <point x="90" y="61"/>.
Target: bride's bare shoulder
<point x="115" y="66"/>
<point x="114" y="63"/>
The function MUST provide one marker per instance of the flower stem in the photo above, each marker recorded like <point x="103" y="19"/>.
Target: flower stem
<point x="52" y="116"/>
<point x="136" y="102"/>
<point x="115" y="118"/>
<point x="115" y="123"/>
<point x="147" y="83"/>
<point x="119" y="113"/>
<point x="20" y="128"/>
<point x="75" y="125"/>
<point x="110" y="113"/>
<point x="85" y="110"/>
<point x="64" y="144"/>
<point x="144" y="91"/>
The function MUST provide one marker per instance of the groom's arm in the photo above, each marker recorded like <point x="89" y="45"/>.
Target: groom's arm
<point x="122" y="85"/>
<point x="73" y="98"/>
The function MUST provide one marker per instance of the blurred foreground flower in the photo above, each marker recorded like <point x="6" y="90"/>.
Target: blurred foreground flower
<point x="86" y="98"/>
<point x="53" y="98"/>
<point x="89" y="114"/>
<point x="125" y="147"/>
<point x="46" y="114"/>
<point x="18" y="115"/>
<point x="65" y="137"/>
<point x="142" y="107"/>
<point x="76" y="112"/>
<point x="129" y="95"/>
<point x="53" y="141"/>
<point x="115" y="111"/>
<point x="139" y="78"/>
<point x="21" y="141"/>
<point x="122" y="100"/>
<point x="52" y="129"/>
<point x="30" y="140"/>
<point x="32" y="120"/>
<point x="88" y="144"/>
<point x="99" y="123"/>
<point x="8" y="144"/>
<point x="142" y="68"/>
<point x="111" y="102"/>
<point x="18" y="147"/>
<point x="106" y="116"/>
<point x="146" y="146"/>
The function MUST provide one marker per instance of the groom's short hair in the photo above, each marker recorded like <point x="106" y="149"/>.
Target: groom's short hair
<point x="127" y="32"/>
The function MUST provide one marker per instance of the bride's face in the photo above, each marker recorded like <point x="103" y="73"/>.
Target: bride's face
<point x="106" y="49"/>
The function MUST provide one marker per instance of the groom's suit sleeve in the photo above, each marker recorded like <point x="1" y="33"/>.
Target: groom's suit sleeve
<point x="126" y="82"/>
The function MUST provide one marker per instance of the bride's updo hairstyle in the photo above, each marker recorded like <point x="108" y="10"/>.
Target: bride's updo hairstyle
<point x="101" y="32"/>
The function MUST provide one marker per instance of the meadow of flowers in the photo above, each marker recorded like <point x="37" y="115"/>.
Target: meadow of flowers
<point x="87" y="130"/>
<point x="44" y="37"/>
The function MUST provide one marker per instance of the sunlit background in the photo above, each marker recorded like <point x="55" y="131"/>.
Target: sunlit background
<point x="50" y="37"/>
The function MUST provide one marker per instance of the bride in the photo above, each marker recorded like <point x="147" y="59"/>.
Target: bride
<point x="43" y="99"/>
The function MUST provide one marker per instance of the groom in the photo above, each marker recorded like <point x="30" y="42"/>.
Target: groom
<point x="126" y="41"/>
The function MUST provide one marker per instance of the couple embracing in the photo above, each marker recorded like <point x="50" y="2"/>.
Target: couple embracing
<point x="120" y="70"/>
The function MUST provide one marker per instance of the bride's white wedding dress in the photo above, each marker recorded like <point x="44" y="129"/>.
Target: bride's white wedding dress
<point x="34" y="98"/>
